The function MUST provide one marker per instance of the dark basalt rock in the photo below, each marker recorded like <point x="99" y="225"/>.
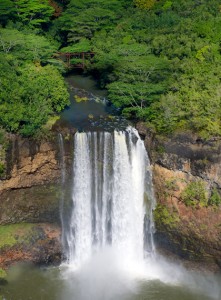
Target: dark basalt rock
<point x="192" y="233"/>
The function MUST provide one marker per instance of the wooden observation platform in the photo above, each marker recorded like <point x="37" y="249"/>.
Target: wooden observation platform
<point x="75" y="60"/>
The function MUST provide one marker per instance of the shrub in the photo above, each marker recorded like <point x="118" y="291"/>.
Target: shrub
<point x="215" y="198"/>
<point x="164" y="216"/>
<point x="195" y="194"/>
<point x="2" y="169"/>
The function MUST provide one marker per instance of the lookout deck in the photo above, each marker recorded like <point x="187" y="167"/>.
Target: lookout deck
<point x="76" y="60"/>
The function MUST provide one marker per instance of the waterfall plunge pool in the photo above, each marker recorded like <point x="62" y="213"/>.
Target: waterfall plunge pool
<point x="100" y="279"/>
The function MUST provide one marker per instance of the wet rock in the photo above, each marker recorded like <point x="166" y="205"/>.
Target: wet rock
<point x="33" y="205"/>
<point x="36" y="243"/>
<point x="191" y="232"/>
<point x="30" y="193"/>
<point x="30" y="163"/>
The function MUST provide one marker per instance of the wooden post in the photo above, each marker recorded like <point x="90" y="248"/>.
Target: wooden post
<point x="83" y="60"/>
<point x="68" y="55"/>
<point x="83" y="56"/>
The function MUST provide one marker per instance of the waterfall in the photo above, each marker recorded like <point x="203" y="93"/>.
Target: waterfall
<point x="112" y="197"/>
<point x="63" y="179"/>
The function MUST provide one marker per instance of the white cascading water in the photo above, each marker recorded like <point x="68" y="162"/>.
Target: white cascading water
<point x="108" y="226"/>
<point x="63" y="179"/>
<point x="111" y="179"/>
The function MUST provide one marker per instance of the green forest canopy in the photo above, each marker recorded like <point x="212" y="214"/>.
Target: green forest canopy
<point x="159" y="60"/>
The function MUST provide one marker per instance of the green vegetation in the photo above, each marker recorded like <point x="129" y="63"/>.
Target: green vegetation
<point x="195" y="194"/>
<point x="34" y="92"/>
<point x="3" y="147"/>
<point x="171" y="184"/>
<point x="12" y="234"/>
<point x="159" y="60"/>
<point x="163" y="216"/>
<point x="3" y="280"/>
<point x="215" y="198"/>
<point x="80" y="99"/>
<point x="3" y="140"/>
<point x="30" y="13"/>
<point x="3" y="274"/>
<point x="145" y="4"/>
<point x="51" y="121"/>
<point x="2" y="169"/>
<point x="32" y="88"/>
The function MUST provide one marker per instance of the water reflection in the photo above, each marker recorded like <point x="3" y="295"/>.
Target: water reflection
<point x="91" y="110"/>
<point x="26" y="282"/>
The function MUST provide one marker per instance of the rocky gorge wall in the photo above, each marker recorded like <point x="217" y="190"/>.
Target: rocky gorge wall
<point x="29" y="198"/>
<point x="32" y="171"/>
<point x="187" y="181"/>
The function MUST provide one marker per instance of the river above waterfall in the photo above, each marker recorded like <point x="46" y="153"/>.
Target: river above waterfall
<point x="90" y="109"/>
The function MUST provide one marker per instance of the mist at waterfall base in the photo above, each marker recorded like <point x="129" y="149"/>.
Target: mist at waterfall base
<point x="108" y="236"/>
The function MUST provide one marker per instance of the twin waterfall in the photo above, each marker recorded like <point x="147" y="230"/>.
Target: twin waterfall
<point x="111" y="197"/>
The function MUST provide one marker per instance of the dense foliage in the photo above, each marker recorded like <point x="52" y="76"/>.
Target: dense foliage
<point x="159" y="59"/>
<point x="31" y="86"/>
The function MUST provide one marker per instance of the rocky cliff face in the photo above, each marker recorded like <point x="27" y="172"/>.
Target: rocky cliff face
<point x="30" y="189"/>
<point x="187" y="181"/>
<point x="30" y="163"/>
<point x="36" y="243"/>
<point x="30" y="194"/>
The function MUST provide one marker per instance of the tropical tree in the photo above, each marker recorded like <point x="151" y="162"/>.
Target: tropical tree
<point x="34" y="12"/>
